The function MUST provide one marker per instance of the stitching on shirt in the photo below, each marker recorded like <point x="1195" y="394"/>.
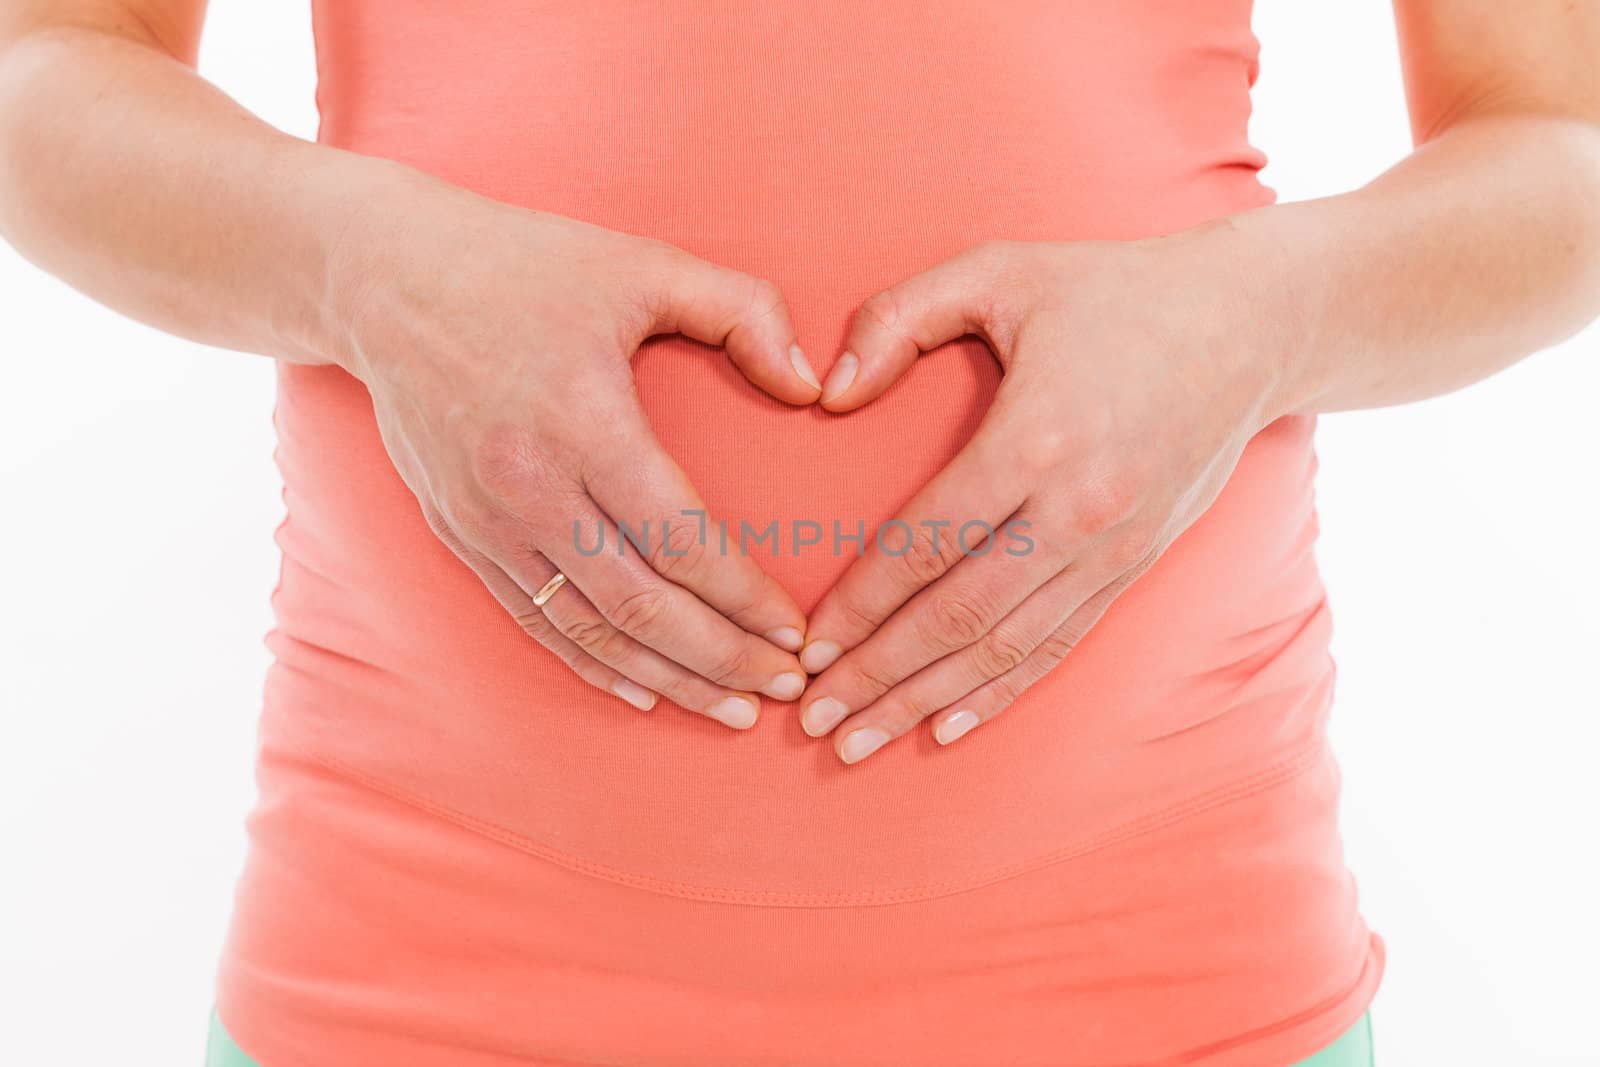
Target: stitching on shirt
<point x="1337" y="1004"/>
<point x="1278" y="772"/>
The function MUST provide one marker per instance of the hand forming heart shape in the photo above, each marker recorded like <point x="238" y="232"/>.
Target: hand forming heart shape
<point x="1130" y="391"/>
<point x="1115" y="425"/>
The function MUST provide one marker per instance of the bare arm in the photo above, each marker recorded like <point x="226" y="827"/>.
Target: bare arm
<point x="1478" y="249"/>
<point x="1137" y="372"/>
<point x="127" y="175"/>
<point x="135" y="180"/>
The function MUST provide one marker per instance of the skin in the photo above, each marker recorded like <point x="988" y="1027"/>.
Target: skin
<point x="492" y="339"/>
<point x="1135" y="372"/>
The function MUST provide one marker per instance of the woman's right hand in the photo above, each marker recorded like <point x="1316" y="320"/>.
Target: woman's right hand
<point x="497" y="344"/>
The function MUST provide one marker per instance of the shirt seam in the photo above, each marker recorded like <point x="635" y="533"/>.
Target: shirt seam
<point x="1279" y="771"/>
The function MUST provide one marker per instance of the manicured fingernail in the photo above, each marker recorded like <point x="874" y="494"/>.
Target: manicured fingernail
<point x="737" y="712"/>
<point x="840" y="377"/>
<point x="637" y="695"/>
<point x="818" y="656"/>
<point x="820" y="716"/>
<point x="861" y="744"/>
<point x="802" y="367"/>
<point x="787" y="638"/>
<point x="785" y="686"/>
<point x="954" y="726"/>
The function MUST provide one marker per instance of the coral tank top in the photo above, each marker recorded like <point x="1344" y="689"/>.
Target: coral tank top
<point x="463" y="854"/>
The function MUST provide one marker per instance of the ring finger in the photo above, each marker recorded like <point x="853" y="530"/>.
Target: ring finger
<point x="577" y="620"/>
<point x="521" y="607"/>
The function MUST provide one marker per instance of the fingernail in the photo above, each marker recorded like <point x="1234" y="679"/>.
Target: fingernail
<point x="787" y="638"/>
<point x="802" y="367"/>
<point x="785" y="686"/>
<point x="818" y="656"/>
<point x="954" y="726"/>
<point x="839" y="379"/>
<point x="637" y="695"/>
<point x="861" y="744"/>
<point x="735" y="712"/>
<point x="820" y="716"/>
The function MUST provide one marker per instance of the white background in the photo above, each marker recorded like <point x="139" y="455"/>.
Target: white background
<point x="136" y="558"/>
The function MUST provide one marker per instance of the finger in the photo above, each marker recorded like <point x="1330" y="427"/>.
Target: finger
<point x="577" y="620"/>
<point x="657" y="613"/>
<point x="990" y="699"/>
<point x="1012" y="643"/>
<point x="896" y="325"/>
<point x="981" y="488"/>
<point x="745" y="315"/>
<point x="639" y="486"/>
<point x="970" y="614"/>
<point x="519" y="604"/>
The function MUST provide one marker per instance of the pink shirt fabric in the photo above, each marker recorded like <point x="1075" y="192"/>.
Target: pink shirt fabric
<point x="464" y="855"/>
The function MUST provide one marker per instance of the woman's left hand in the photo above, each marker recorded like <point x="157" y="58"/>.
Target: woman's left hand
<point x="1134" y="375"/>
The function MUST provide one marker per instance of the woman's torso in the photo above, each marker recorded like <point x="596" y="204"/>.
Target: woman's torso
<point x="834" y="148"/>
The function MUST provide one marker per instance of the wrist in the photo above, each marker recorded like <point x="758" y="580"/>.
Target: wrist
<point x="299" y="281"/>
<point x="361" y="209"/>
<point x="374" y="212"/>
<point x="1268" y="274"/>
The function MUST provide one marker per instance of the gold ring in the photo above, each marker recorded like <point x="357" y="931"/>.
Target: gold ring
<point x="548" y="589"/>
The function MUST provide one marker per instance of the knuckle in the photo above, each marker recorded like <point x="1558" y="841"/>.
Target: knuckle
<point x="992" y="254"/>
<point x="873" y="678"/>
<point x="465" y="517"/>
<point x="1130" y="547"/>
<point x="678" y="552"/>
<point x="857" y="619"/>
<point x="758" y="299"/>
<point x="999" y="653"/>
<point x="1059" y="645"/>
<point x="883" y="308"/>
<point x="590" y="634"/>
<point x="1044" y="451"/>
<point x="656" y="258"/>
<point x="733" y="660"/>
<point x="509" y="462"/>
<point x="681" y="691"/>
<point x="1105" y="503"/>
<point x="516" y="548"/>
<point x="765" y="298"/>
<point x="929" y="553"/>
<point x="576" y="659"/>
<point x="955" y="621"/>
<point x="908" y="706"/>
<point x="500" y="456"/>
<point x="436" y="521"/>
<point x="1001" y="693"/>
<point x="445" y="528"/>
<point x="742" y="603"/>
<point x="580" y="663"/>
<point x="642" y="612"/>
<point x="895" y="716"/>
<point x="534" y="623"/>
<point x="614" y="647"/>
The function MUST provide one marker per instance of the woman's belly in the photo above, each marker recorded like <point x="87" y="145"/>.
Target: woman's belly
<point x="724" y="132"/>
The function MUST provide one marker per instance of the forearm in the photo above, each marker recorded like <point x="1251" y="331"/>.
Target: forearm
<point x="1480" y="248"/>
<point x="131" y="178"/>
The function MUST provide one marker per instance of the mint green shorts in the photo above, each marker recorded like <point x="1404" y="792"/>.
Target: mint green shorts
<point x="1354" y="1049"/>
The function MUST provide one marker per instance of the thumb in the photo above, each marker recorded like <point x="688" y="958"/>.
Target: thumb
<point x="745" y="315"/>
<point x="895" y="326"/>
